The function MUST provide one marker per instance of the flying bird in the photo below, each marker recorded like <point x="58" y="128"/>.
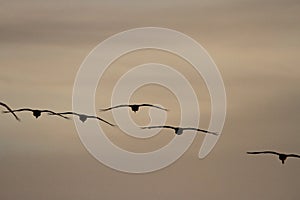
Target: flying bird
<point x="281" y="156"/>
<point x="37" y="113"/>
<point x="134" y="107"/>
<point x="179" y="130"/>
<point x="9" y="110"/>
<point x="84" y="117"/>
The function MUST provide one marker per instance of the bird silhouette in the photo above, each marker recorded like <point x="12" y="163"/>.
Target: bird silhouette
<point x="179" y="130"/>
<point x="281" y="156"/>
<point x="84" y="117"/>
<point x="134" y="107"/>
<point x="9" y="110"/>
<point x="37" y="113"/>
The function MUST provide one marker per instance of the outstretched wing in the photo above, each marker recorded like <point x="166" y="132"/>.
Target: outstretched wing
<point x="262" y="152"/>
<point x="150" y="105"/>
<point x="20" y="110"/>
<point x="118" y="106"/>
<point x="50" y="112"/>
<point x="10" y="110"/>
<point x="104" y="121"/>
<point x="201" y="130"/>
<point x="150" y="127"/>
<point x="63" y="113"/>
<point x="293" y="155"/>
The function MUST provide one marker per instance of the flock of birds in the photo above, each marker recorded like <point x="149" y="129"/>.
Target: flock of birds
<point x="134" y="107"/>
<point x="83" y="117"/>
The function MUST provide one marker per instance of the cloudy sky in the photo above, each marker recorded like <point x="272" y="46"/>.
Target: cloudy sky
<point x="255" y="45"/>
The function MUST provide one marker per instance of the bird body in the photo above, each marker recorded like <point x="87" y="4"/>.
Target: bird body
<point x="134" y="107"/>
<point x="282" y="156"/>
<point x="9" y="110"/>
<point x="179" y="130"/>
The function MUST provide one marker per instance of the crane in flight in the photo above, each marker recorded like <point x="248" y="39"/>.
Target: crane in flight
<point x="281" y="156"/>
<point x="134" y="107"/>
<point x="84" y="117"/>
<point x="37" y="113"/>
<point x="179" y="130"/>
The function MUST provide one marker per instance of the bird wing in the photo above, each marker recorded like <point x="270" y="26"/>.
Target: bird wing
<point x="19" y="110"/>
<point x="103" y="120"/>
<point x="110" y="108"/>
<point x="55" y="113"/>
<point x="201" y="130"/>
<point x="63" y="113"/>
<point x="262" y="152"/>
<point x="150" y="105"/>
<point x="10" y="110"/>
<point x="150" y="127"/>
<point x="23" y="109"/>
<point x="293" y="155"/>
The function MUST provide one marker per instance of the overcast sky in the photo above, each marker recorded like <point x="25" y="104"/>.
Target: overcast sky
<point x="256" y="46"/>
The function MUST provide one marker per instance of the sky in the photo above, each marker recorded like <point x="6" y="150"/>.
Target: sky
<point x="255" y="45"/>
